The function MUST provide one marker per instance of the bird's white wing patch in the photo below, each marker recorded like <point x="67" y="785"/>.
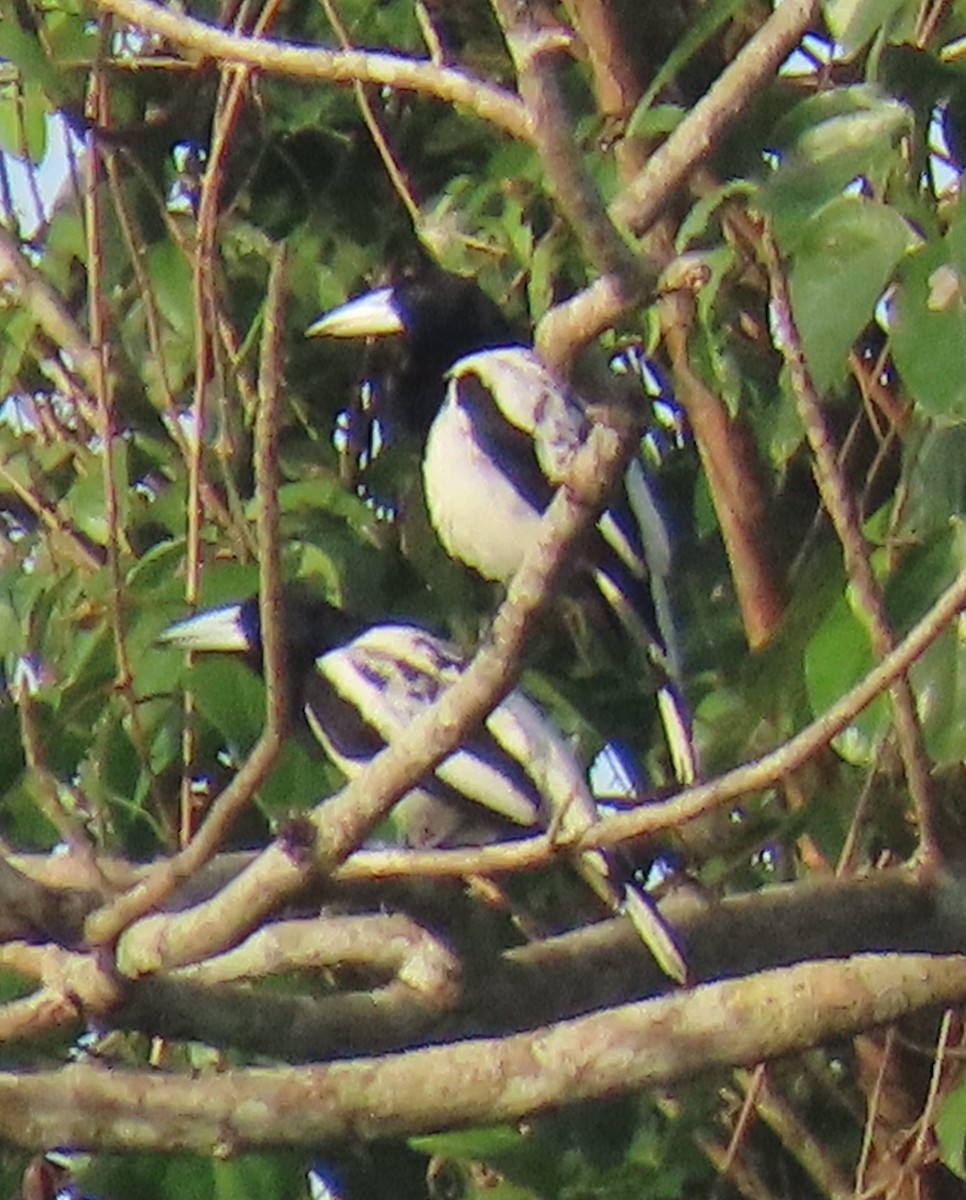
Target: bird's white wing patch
<point x="394" y="673"/>
<point x="526" y="735"/>
<point x="654" y="534"/>
<point x="531" y="399"/>
<point x="480" y="517"/>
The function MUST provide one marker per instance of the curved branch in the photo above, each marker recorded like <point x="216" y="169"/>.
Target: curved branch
<point x="491" y="103"/>
<point x="558" y="978"/>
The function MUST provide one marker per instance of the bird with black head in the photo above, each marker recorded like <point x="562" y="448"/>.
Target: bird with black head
<point x="356" y="687"/>
<point x="499" y="432"/>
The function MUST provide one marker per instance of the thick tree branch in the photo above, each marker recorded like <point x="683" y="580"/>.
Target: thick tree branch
<point x="491" y="103"/>
<point x="479" y="1081"/>
<point x="590" y="968"/>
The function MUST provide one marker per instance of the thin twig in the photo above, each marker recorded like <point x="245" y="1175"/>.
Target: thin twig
<point x="97" y="111"/>
<point x="370" y="117"/>
<point x="810" y="1151"/>
<point x="841" y="509"/>
<point x="148" y="893"/>
<point x="266" y="489"/>
<point x="85" y="553"/>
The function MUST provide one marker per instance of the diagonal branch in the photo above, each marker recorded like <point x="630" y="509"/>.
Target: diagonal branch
<point x="844" y="516"/>
<point x="536" y="50"/>
<point x="597" y="307"/>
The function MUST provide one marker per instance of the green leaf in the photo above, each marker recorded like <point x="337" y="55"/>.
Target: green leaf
<point x="36" y="112"/>
<point x="854" y="22"/>
<point x="22" y="47"/>
<point x="845" y="257"/>
<point x="661" y="118"/>
<point x="231" y="698"/>
<point x="951" y="1129"/>
<point x="836" y="658"/>
<point x="171" y="279"/>
<point x="825" y="144"/>
<point x="929" y="324"/>
<point x="87" y="499"/>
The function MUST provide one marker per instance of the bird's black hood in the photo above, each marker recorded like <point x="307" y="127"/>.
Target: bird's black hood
<point x="440" y="316"/>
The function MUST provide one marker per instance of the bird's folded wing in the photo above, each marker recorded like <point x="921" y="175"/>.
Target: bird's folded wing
<point x="529" y="399"/>
<point x="391" y="675"/>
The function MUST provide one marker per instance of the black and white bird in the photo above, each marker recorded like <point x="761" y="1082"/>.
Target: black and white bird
<point x="499" y="435"/>
<point x="357" y="687"/>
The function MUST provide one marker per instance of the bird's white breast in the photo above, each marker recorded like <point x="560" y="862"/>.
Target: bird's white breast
<point x="479" y="517"/>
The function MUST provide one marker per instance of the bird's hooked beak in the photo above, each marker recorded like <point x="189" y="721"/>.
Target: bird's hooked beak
<point x="217" y="629"/>
<point x="373" y="315"/>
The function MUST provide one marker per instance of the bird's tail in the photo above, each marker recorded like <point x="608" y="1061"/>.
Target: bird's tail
<point x="655" y="638"/>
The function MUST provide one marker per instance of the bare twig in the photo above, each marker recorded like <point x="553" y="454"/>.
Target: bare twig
<point x="266" y="489"/>
<point x="148" y="893"/>
<point x="617" y="81"/>
<point x="774" y="1108"/>
<point x="370" y="117"/>
<point x="107" y="427"/>
<point x="80" y="549"/>
<point x="841" y="508"/>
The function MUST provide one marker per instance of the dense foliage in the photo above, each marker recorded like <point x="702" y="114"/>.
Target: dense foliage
<point x="811" y="470"/>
